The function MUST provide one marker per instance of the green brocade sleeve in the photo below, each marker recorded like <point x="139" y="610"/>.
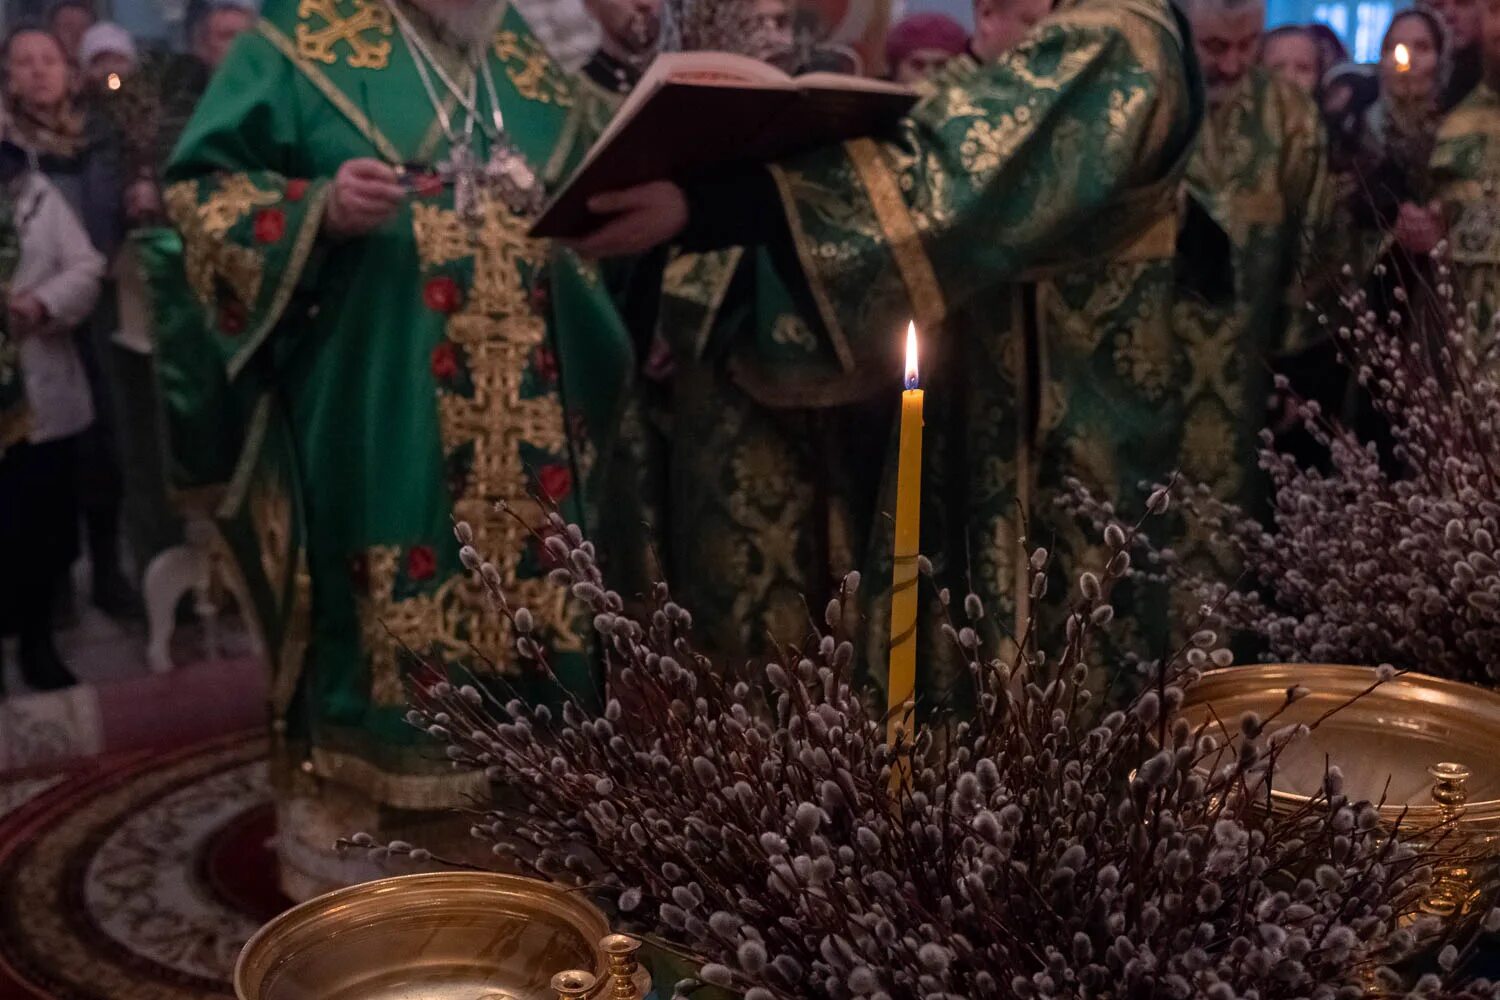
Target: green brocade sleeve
<point x="1042" y="157"/>
<point x="248" y="223"/>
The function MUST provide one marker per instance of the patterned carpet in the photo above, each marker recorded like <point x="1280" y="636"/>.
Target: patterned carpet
<point x="135" y="876"/>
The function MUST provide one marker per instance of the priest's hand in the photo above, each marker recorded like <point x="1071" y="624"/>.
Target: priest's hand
<point x="366" y="195"/>
<point x="640" y="218"/>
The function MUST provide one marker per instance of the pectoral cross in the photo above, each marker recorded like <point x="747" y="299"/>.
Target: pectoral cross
<point x="505" y="175"/>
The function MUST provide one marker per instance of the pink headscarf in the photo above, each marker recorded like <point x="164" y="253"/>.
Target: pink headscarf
<point x="924" y="31"/>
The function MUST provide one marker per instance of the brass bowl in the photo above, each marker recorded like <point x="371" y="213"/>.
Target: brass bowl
<point x="464" y="935"/>
<point x="1386" y="744"/>
<point x="1426" y="749"/>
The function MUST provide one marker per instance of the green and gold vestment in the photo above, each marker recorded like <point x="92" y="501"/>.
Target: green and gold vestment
<point x="1060" y="161"/>
<point x="352" y="399"/>
<point x="1466" y="175"/>
<point x="1260" y="172"/>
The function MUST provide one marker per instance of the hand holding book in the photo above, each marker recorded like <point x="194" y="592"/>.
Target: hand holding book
<point x="699" y="111"/>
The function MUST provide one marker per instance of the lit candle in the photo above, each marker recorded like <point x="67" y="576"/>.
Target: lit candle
<point x="113" y="81"/>
<point x="1403" y="59"/>
<point x="902" y="678"/>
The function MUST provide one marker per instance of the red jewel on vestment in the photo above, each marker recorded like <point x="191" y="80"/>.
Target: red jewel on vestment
<point x="232" y="317"/>
<point x="421" y="563"/>
<point x="444" y="361"/>
<point x="296" y="189"/>
<point x="442" y="294"/>
<point x="270" y="225"/>
<point x="556" y="481"/>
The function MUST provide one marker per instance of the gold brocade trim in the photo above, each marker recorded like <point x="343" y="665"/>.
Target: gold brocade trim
<point x="531" y="70"/>
<point x="399" y="791"/>
<point x="451" y="621"/>
<point x="591" y="111"/>
<point x="320" y="43"/>
<point x="295" y="637"/>
<point x="1463" y="122"/>
<point x="235" y="493"/>
<point x="221" y="554"/>
<point x="684" y="279"/>
<point x="808" y="258"/>
<point x="329" y="90"/>
<point x="291" y="273"/>
<point x="901" y="234"/>
<point x="270" y="509"/>
<point x="484" y="425"/>
<point x="204" y="224"/>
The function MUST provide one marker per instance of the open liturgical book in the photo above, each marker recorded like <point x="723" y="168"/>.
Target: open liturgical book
<point x="696" y="110"/>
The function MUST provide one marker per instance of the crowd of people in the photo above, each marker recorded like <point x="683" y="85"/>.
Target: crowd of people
<point x="1107" y="216"/>
<point x="86" y="122"/>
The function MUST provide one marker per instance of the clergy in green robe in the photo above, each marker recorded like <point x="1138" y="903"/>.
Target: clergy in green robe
<point x="1466" y="178"/>
<point x="347" y="396"/>
<point x="1260" y="174"/>
<point x="1069" y="149"/>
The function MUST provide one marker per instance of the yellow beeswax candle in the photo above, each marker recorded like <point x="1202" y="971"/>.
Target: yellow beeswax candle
<point x="901" y="679"/>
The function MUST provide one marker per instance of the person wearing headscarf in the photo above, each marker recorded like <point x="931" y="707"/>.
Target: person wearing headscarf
<point x="1388" y="198"/>
<point x="1291" y="53"/>
<point x="921" y="44"/>
<point x="49" y="279"/>
<point x="106" y="56"/>
<point x="1462" y="18"/>
<point x="76" y="150"/>
<point x="1331" y="50"/>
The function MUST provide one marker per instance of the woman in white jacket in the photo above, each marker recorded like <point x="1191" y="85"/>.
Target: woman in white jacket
<point x="53" y="288"/>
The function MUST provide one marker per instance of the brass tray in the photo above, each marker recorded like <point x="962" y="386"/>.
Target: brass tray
<point x="1386" y="744"/>
<point x="464" y="935"/>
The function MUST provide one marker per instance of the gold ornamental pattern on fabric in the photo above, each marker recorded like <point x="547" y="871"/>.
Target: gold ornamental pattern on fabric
<point x="362" y="27"/>
<point x="531" y="71"/>
<point x="496" y="331"/>
<point x="205" y="223"/>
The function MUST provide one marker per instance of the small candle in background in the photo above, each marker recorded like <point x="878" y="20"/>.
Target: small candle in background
<point x="112" y="81"/>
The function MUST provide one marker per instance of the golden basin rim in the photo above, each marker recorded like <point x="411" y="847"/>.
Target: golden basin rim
<point x="1342" y="681"/>
<point x="478" y="882"/>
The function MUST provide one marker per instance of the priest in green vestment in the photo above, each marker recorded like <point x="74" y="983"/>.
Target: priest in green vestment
<point x="1466" y="179"/>
<point x="360" y="346"/>
<point x="1260" y="174"/>
<point x="1069" y="149"/>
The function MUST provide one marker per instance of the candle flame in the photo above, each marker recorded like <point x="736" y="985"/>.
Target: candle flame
<point x="113" y="83"/>
<point x="911" y="355"/>
<point x="1403" y="59"/>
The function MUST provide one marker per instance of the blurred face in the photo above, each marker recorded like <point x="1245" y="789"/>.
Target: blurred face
<point x="1226" y="41"/>
<point x="37" y="70"/>
<point x="1293" y="57"/>
<point x="1420" y="79"/>
<point x="631" y="27"/>
<point x="920" y="64"/>
<point x="108" y="68"/>
<point x="69" y="24"/>
<point x="1463" y="19"/>
<point x="772" y="24"/>
<point x="999" y="25"/>
<point x="217" y="33"/>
